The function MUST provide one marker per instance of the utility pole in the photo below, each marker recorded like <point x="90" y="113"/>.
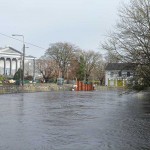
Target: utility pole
<point x="23" y="64"/>
<point x="23" y="55"/>
<point x="34" y="70"/>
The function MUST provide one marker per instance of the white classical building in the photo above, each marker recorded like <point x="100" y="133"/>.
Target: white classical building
<point x="11" y="61"/>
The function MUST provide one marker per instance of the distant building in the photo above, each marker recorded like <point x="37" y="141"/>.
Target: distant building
<point x="11" y="61"/>
<point x="118" y="74"/>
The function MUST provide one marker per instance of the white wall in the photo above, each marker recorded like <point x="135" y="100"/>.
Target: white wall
<point x="116" y="75"/>
<point x="1" y="67"/>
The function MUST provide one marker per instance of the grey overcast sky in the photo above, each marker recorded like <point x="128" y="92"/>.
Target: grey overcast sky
<point x="42" y="22"/>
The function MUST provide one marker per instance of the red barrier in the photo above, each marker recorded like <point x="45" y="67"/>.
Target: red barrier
<point x="84" y="87"/>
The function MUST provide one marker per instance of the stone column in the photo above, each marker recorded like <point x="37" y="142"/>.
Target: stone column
<point x="123" y="82"/>
<point x="4" y="66"/>
<point x="10" y="66"/>
<point x="116" y="82"/>
<point x="16" y="65"/>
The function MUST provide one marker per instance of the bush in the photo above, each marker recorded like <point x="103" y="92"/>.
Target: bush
<point x="2" y="78"/>
<point x="18" y="75"/>
<point x="28" y="78"/>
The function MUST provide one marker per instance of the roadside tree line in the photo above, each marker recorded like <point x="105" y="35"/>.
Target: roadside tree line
<point x="67" y="61"/>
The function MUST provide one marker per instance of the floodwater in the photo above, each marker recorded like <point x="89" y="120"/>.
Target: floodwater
<point x="99" y="120"/>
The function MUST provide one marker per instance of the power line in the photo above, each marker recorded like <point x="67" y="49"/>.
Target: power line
<point x="21" y="41"/>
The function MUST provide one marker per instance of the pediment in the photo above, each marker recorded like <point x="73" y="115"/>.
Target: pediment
<point x="9" y="51"/>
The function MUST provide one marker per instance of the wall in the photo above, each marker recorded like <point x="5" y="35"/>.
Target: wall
<point x="28" y="88"/>
<point x="117" y="80"/>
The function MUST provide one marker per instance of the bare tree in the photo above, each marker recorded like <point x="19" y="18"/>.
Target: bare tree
<point x="47" y="68"/>
<point x="62" y="54"/>
<point x="28" y="68"/>
<point x="111" y="57"/>
<point x="99" y="71"/>
<point x="73" y="68"/>
<point x="130" y="42"/>
<point x="91" y="58"/>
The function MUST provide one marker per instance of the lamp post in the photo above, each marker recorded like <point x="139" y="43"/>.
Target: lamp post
<point x="23" y="56"/>
<point x="33" y="70"/>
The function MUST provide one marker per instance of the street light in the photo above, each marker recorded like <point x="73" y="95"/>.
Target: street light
<point x="23" y="58"/>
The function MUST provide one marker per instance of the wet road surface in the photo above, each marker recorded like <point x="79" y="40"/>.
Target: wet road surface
<point x="99" y="120"/>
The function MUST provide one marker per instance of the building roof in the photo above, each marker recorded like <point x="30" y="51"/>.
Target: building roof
<point x="30" y="57"/>
<point x="120" y="66"/>
<point x="11" y="51"/>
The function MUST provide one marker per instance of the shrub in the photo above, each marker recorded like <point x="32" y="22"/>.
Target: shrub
<point x="28" y="78"/>
<point x="18" y="75"/>
<point x="2" y="78"/>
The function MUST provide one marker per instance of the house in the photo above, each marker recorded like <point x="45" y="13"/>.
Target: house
<point x="119" y="74"/>
<point x="11" y="61"/>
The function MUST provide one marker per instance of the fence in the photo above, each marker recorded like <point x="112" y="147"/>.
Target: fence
<point x="81" y="86"/>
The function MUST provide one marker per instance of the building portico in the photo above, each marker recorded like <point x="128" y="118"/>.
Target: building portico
<point x="10" y="61"/>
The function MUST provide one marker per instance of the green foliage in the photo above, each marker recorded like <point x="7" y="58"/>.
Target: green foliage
<point x="139" y="87"/>
<point x="2" y="78"/>
<point x="81" y="69"/>
<point x="137" y="84"/>
<point x="18" y="75"/>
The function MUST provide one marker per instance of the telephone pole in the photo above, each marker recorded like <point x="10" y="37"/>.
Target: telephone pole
<point x="23" y="55"/>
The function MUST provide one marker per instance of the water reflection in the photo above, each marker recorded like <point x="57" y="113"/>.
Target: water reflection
<point x="100" y="120"/>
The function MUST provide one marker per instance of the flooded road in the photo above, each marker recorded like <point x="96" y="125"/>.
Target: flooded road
<point x="99" y="120"/>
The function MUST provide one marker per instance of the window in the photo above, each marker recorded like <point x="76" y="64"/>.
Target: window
<point x="119" y="73"/>
<point x="128" y="74"/>
<point x="111" y="74"/>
